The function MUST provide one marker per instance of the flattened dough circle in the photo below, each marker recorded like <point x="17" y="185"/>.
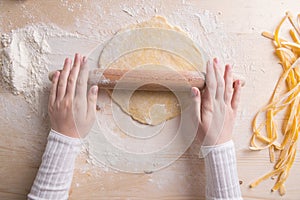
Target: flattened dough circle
<point x="158" y="43"/>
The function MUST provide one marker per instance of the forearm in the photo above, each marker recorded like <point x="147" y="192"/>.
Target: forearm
<point x="55" y="173"/>
<point x="221" y="172"/>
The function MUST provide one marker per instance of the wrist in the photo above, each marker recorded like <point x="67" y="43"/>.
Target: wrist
<point x="205" y="150"/>
<point x="229" y="142"/>
<point x="70" y="133"/>
<point x="223" y="140"/>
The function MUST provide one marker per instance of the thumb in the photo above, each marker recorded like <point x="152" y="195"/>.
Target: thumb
<point x="196" y="96"/>
<point x="92" y="101"/>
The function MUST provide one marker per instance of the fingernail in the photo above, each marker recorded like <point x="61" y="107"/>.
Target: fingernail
<point x="95" y="90"/>
<point x="84" y="59"/>
<point x="55" y="76"/>
<point x="216" y="60"/>
<point x="237" y="83"/>
<point x="194" y="92"/>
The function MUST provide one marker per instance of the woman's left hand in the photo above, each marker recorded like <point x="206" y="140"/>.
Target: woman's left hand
<point x="72" y="111"/>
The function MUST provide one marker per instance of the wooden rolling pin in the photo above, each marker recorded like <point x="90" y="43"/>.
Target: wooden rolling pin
<point x="149" y="80"/>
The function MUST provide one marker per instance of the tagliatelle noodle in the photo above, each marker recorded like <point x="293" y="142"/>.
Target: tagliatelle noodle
<point x="284" y="98"/>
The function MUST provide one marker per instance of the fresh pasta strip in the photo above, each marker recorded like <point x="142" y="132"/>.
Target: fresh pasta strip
<point x="285" y="98"/>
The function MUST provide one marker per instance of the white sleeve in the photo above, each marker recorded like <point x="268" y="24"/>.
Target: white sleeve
<point x="222" y="181"/>
<point x="55" y="173"/>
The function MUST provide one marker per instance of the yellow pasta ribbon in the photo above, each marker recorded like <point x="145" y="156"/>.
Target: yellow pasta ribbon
<point x="285" y="97"/>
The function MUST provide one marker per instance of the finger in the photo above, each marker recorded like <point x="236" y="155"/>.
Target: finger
<point x="63" y="78"/>
<point x="92" y="101"/>
<point x="236" y="95"/>
<point x="210" y="80"/>
<point x="81" y="85"/>
<point x="219" y="78"/>
<point x="53" y="91"/>
<point x="209" y="92"/>
<point x="228" y="77"/>
<point x="196" y="95"/>
<point x="71" y="86"/>
<point x="207" y="106"/>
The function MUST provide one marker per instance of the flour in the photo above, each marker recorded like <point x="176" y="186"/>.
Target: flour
<point x="205" y="28"/>
<point x="70" y="5"/>
<point x="24" y="60"/>
<point x="208" y="21"/>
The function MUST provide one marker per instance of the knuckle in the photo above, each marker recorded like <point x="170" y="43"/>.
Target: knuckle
<point x="77" y="106"/>
<point x="56" y="106"/>
<point x="207" y="107"/>
<point x="229" y="90"/>
<point x="68" y="103"/>
<point x="83" y="66"/>
<point x="220" y="83"/>
<point x="211" y="84"/>
<point x="50" y="108"/>
<point x="60" y="84"/>
<point x="220" y="87"/>
<point x="71" y="80"/>
<point x="80" y="81"/>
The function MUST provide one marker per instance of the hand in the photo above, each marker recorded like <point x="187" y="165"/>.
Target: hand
<point x="72" y="112"/>
<point x="217" y="105"/>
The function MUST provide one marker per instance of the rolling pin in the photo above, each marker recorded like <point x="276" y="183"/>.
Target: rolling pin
<point x="149" y="80"/>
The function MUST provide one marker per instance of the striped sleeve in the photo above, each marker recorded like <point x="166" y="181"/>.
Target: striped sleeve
<point x="221" y="172"/>
<point x="55" y="173"/>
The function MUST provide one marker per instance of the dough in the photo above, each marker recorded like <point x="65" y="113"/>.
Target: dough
<point x="149" y="107"/>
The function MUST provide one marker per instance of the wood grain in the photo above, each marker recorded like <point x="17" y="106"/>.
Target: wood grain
<point x="23" y="131"/>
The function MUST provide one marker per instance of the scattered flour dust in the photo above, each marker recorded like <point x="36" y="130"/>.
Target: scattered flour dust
<point x="205" y="28"/>
<point x="27" y="53"/>
<point x="24" y="60"/>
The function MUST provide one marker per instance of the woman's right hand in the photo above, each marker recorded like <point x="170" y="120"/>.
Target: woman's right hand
<point x="217" y="104"/>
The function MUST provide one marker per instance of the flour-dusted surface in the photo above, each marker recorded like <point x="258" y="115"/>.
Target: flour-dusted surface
<point x="29" y="53"/>
<point x="229" y="29"/>
<point x="24" y="61"/>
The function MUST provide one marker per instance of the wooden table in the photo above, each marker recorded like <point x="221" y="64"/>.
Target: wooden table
<point x="23" y="132"/>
